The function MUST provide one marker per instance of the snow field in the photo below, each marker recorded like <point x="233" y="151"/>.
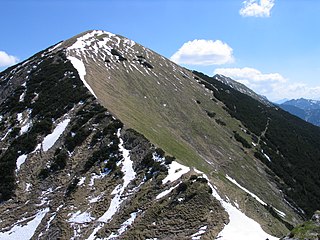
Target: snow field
<point x="240" y="226"/>
<point x="26" y="230"/>
<point x="79" y="217"/>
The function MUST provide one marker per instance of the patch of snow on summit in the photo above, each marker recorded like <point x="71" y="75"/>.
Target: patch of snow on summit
<point x="198" y="234"/>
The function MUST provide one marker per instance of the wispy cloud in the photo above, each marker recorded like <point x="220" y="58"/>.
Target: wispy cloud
<point x="203" y="52"/>
<point x="272" y="85"/>
<point x="251" y="8"/>
<point x="7" y="60"/>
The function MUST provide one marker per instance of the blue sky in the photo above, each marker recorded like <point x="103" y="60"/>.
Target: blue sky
<point x="272" y="46"/>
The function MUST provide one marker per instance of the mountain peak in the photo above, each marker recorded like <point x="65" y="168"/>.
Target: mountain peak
<point x="306" y="109"/>
<point x="242" y="88"/>
<point x="103" y="137"/>
<point x="85" y="39"/>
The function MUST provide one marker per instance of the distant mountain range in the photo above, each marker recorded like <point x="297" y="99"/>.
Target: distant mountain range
<point x="308" y="110"/>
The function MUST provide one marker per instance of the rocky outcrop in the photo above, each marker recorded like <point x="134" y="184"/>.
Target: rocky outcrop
<point x="309" y="230"/>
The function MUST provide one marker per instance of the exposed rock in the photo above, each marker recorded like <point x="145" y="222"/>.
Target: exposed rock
<point x="309" y="230"/>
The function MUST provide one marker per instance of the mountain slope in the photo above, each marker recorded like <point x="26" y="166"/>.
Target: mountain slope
<point x="154" y="107"/>
<point x="70" y="170"/>
<point x="286" y="142"/>
<point x="305" y="104"/>
<point x="82" y="174"/>
<point x="308" y="230"/>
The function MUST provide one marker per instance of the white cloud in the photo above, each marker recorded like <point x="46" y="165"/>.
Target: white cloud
<point x="254" y="75"/>
<point x="7" y="60"/>
<point x="203" y="52"/>
<point x="251" y="8"/>
<point x="272" y="85"/>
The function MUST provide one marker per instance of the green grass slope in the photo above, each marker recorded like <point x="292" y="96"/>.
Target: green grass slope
<point x="176" y="111"/>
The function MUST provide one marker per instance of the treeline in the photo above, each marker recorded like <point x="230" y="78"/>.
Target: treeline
<point x="291" y="143"/>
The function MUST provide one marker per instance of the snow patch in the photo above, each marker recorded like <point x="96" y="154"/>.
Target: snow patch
<point x="166" y="192"/>
<point x="266" y="156"/>
<point x="129" y="42"/>
<point x="246" y="190"/>
<point x="4" y="137"/>
<point x="79" y="217"/>
<point x="129" y="175"/>
<point x="51" y="139"/>
<point x="281" y="214"/>
<point x="81" y="181"/>
<point x="24" y="122"/>
<point x="198" y="234"/>
<point x="94" y="177"/>
<point x="26" y="230"/>
<point x="54" y="47"/>
<point x="78" y="64"/>
<point x="28" y="186"/>
<point x="175" y="171"/>
<point x="240" y="226"/>
<point x="20" y="160"/>
<point x="95" y="199"/>
<point x="25" y="128"/>
<point x="124" y="226"/>
<point x="92" y="235"/>
<point x="21" y="98"/>
<point x="19" y="117"/>
<point x="157" y="158"/>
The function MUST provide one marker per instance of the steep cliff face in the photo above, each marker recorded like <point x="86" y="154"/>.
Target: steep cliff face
<point x="103" y="138"/>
